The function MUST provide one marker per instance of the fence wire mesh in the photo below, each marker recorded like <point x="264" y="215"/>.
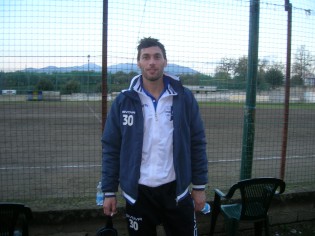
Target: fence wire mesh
<point x="51" y="80"/>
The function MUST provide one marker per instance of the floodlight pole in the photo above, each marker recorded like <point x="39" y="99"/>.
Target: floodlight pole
<point x="250" y="106"/>
<point x="88" y="83"/>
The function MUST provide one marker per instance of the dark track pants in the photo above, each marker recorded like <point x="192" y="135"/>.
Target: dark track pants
<point x="156" y="206"/>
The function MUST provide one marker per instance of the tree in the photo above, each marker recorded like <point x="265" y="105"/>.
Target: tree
<point x="240" y="70"/>
<point x="71" y="87"/>
<point x="120" y="77"/>
<point x="296" y="81"/>
<point x="45" y="85"/>
<point x="274" y="77"/>
<point x="302" y="66"/>
<point x="226" y="66"/>
<point x="221" y="75"/>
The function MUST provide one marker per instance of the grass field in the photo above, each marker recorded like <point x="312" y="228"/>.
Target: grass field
<point x="51" y="151"/>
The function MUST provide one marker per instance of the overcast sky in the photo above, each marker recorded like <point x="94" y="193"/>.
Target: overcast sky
<point x="196" y="33"/>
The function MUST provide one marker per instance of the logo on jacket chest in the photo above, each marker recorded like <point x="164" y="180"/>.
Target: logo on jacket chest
<point x="128" y="117"/>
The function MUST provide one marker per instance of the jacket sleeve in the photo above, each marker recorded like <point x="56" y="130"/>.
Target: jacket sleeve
<point x="199" y="161"/>
<point x="111" y="143"/>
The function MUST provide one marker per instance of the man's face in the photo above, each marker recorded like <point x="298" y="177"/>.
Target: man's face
<point x="152" y="63"/>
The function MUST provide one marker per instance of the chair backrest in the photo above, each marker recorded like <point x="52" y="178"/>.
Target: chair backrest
<point x="107" y="230"/>
<point x="256" y="196"/>
<point x="13" y="215"/>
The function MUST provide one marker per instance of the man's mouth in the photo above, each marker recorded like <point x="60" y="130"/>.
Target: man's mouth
<point x="151" y="70"/>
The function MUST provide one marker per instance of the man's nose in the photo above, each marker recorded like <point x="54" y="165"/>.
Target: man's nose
<point x="152" y="61"/>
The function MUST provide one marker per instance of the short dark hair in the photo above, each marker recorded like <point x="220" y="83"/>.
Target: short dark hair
<point x="150" y="42"/>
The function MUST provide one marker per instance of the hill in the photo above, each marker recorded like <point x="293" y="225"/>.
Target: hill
<point x="124" y="67"/>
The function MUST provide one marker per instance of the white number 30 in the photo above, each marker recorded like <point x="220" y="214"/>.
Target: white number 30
<point x="133" y="224"/>
<point x="128" y="120"/>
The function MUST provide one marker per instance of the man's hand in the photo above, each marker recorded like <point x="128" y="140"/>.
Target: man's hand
<point x="199" y="198"/>
<point x="110" y="206"/>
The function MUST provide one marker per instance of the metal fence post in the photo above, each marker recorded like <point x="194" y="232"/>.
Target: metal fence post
<point x="250" y="106"/>
<point x="288" y="8"/>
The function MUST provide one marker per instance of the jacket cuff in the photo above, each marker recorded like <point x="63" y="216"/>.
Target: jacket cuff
<point x="109" y="194"/>
<point x="199" y="187"/>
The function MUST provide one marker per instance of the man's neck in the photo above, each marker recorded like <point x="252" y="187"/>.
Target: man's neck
<point x="155" y="88"/>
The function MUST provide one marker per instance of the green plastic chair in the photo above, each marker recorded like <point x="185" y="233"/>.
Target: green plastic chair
<point x="107" y="230"/>
<point x="14" y="217"/>
<point x="255" y="198"/>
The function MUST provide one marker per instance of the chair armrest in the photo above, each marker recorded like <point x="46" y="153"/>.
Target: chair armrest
<point x="219" y="193"/>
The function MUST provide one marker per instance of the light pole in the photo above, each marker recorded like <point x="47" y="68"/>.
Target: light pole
<point x="88" y="84"/>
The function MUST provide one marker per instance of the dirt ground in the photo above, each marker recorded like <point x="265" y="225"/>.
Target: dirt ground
<point x="89" y="228"/>
<point x="51" y="151"/>
<point x="305" y="229"/>
<point x="50" y="155"/>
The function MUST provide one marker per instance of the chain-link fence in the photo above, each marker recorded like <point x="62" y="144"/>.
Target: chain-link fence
<point x="51" y="88"/>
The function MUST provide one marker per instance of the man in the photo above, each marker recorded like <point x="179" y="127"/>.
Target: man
<point x="154" y="146"/>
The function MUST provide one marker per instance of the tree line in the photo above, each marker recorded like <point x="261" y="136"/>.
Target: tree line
<point x="229" y="74"/>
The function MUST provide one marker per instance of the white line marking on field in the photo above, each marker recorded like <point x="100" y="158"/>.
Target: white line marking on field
<point x="94" y="113"/>
<point x="99" y="165"/>
<point x="49" y="167"/>
<point x="262" y="158"/>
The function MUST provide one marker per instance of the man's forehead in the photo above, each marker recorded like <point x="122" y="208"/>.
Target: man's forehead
<point x="151" y="50"/>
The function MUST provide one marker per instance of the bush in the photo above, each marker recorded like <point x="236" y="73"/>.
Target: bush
<point x="44" y="85"/>
<point x="71" y="87"/>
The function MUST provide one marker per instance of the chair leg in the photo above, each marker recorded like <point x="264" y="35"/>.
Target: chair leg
<point x="258" y="228"/>
<point x="267" y="232"/>
<point x="214" y="216"/>
<point x="231" y="227"/>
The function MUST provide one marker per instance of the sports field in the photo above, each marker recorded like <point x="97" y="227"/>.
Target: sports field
<point x="52" y="150"/>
